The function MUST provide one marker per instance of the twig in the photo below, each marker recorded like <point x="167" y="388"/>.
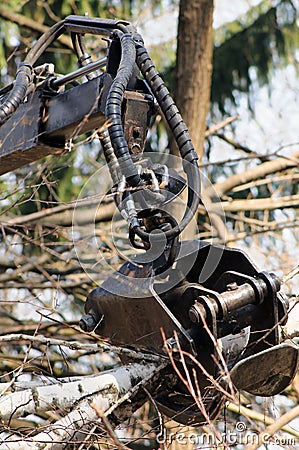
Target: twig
<point x="235" y="144"/>
<point x="270" y="430"/>
<point x="222" y="124"/>
<point x="75" y="345"/>
<point x="161" y="425"/>
<point x="290" y="275"/>
<point x="33" y="25"/>
<point x="42" y="215"/>
<point x="197" y="397"/>
<point x="259" y="417"/>
<point x="109" y="428"/>
<point x="35" y="263"/>
<point x="270" y="229"/>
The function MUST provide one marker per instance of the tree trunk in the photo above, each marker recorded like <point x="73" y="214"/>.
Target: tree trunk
<point x="194" y="66"/>
<point x="193" y="80"/>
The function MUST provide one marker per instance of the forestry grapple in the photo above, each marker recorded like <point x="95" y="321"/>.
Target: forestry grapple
<point x="208" y="305"/>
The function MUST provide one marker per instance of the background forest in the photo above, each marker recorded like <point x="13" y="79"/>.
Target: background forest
<point x="233" y="71"/>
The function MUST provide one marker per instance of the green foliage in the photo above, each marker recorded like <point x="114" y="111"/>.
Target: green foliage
<point x="267" y="41"/>
<point x="9" y="35"/>
<point x="267" y="33"/>
<point x="48" y="13"/>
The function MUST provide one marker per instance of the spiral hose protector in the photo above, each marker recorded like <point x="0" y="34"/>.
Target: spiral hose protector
<point x="18" y="92"/>
<point x="109" y="155"/>
<point x="25" y="72"/>
<point x="113" y="110"/>
<point x="181" y="135"/>
<point x="170" y="111"/>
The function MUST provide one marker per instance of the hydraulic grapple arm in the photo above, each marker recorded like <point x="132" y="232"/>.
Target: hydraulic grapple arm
<point x="227" y="318"/>
<point x="209" y="301"/>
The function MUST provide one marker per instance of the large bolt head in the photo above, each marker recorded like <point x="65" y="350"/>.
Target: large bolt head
<point x="88" y="322"/>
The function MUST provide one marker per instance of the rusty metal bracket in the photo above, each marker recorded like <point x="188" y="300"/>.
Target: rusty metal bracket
<point x="42" y="126"/>
<point x="138" y="109"/>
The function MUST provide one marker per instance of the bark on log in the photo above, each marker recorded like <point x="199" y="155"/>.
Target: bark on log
<point x="106" y="394"/>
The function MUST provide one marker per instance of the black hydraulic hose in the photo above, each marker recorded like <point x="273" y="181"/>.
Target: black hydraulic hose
<point x="25" y="72"/>
<point x="170" y="111"/>
<point x="76" y="44"/>
<point x="182" y="137"/>
<point x="113" y="110"/>
<point x="18" y="92"/>
<point x="84" y="58"/>
<point x="109" y="154"/>
<point x="44" y="41"/>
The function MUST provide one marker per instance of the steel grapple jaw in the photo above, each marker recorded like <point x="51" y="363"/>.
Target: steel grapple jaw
<point x="214" y="311"/>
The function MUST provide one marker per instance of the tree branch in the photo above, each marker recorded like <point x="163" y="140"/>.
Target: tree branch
<point x="27" y="267"/>
<point x="235" y="145"/>
<point x="260" y="204"/>
<point x="282" y="178"/>
<point x="266" y="229"/>
<point x="114" y="387"/>
<point x="63" y="215"/>
<point x="279" y="424"/>
<point x="33" y="25"/>
<point x="220" y="125"/>
<point x="260" y="171"/>
<point x="75" y="345"/>
<point x="259" y="417"/>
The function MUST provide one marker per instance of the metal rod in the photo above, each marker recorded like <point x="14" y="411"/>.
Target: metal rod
<point x="66" y="78"/>
<point x="78" y="73"/>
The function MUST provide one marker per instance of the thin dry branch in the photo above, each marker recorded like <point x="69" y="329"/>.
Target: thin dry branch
<point x="220" y="125"/>
<point x="33" y="25"/>
<point x="293" y="273"/>
<point x="235" y="144"/>
<point x="275" y="228"/>
<point x="75" y="345"/>
<point x="22" y="269"/>
<point x="260" y="171"/>
<point x="260" y="204"/>
<point x="265" y="435"/>
<point x="116" y="387"/>
<point x="63" y="215"/>
<point x="259" y="417"/>
<point x="292" y="177"/>
<point x="109" y="428"/>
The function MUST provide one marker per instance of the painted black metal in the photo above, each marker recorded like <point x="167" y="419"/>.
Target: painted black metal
<point x="199" y="291"/>
<point x="131" y="307"/>
<point x="45" y="123"/>
<point x="118" y="292"/>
